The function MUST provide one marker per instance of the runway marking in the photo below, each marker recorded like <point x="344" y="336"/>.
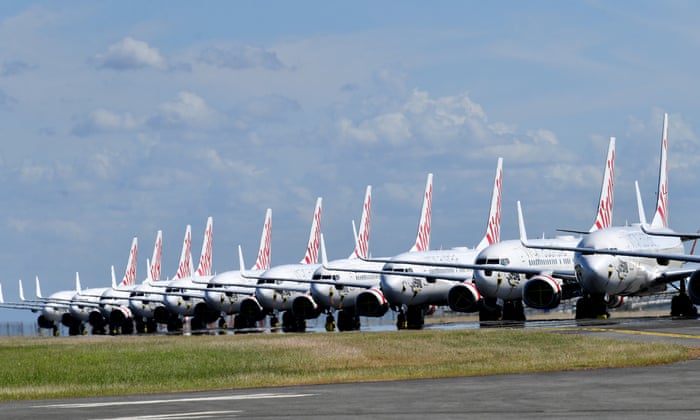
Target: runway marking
<point x="190" y="415"/>
<point x="636" y="332"/>
<point x="172" y="400"/>
<point x="624" y="331"/>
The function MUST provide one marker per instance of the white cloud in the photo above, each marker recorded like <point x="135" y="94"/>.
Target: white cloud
<point x="130" y="53"/>
<point x="188" y="109"/>
<point x="102" y="120"/>
<point x="542" y="136"/>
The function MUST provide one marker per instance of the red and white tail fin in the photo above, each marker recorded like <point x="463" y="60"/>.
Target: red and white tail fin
<point x="130" y="272"/>
<point x="423" y="235"/>
<point x="154" y="266"/>
<point x="263" y="260"/>
<point x="184" y="269"/>
<point x="311" y="256"/>
<point x="660" y="219"/>
<point x="605" y="204"/>
<point x="362" y="238"/>
<point x="204" y="266"/>
<point x="493" y="228"/>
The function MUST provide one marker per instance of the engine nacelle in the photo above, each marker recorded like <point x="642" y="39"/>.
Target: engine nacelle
<point x="96" y="319"/>
<point x="305" y="307"/>
<point x="44" y="323"/>
<point x="205" y="313"/>
<point x="614" y="301"/>
<point x="161" y="315"/>
<point x="464" y="297"/>
<point x="542" y="292"/>
<point x="693" y="287"/>
<point x="371" y="302"/>
<point x="120" y="315"/>
<point x="252" y="309"/>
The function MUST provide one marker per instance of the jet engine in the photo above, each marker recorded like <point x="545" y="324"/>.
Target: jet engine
<point x="614" y="301"/>
<point x="205" y="313"/>
<point x="542" y="292"/>
<point x="305" y="307"/>
<point x="464" y="297"/>
<point x="251" y="308"/>
<point x="371" y="302"/>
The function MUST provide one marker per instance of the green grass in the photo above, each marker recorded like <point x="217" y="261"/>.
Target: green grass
<point x="34" y="368"/>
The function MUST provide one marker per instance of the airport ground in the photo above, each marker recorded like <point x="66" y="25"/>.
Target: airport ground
<point x="668" y="391"/>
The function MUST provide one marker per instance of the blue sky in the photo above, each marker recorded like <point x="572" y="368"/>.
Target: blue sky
<point x="121" y="118"/>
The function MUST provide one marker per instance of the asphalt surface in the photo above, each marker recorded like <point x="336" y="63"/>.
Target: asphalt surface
<point x="669" y="391"/>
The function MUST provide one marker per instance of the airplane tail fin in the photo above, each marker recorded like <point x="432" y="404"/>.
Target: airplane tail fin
<point x="204" y="266"/>
<point x="605" y="204"/>
<point x="241" y="263"/>
<point x="185" y="267"/>
<point x="640" y="205"/>
<point x="21" y="290"/>
<point x="114" y="279"/>
<point x="263" y="260"/>
<point x="130" y="271"/>
<point x="38" y="289"/>
<point x="78" y="288"/>
<point x="154" y="265"/>
<point x="493" y="228"/>
<point x="660" y="219"/>
<point x="311" y="256"/>
<point x="521" y="224"/>
<point x="324" y="256"/>
<point x="423" y="235"/>
<point x="362" y="238"/>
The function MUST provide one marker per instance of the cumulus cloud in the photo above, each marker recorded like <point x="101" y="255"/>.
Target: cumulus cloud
<point x="542" y="136"/>
<point x="130" y="53"/>
<point x="271" y="106"/>
<point x="189" y="109"/>
<point x="242" y="57"/>
<point x="14" y="68"/>
<point x="102" y="120"/>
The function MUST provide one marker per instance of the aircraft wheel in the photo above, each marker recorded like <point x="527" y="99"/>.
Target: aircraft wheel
<point x="330" y="323"/>
<point x="415" y="317"/>
<point x="401" y="321"/>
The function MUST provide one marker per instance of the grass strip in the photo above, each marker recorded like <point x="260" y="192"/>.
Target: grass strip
<point x="40" y="368"/>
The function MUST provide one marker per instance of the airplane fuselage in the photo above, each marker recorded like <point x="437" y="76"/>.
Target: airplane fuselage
<point x="281" y="300"/>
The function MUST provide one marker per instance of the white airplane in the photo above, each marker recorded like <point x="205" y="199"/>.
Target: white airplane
<point x="232" y="294"/>
<point x="114" y="301"/>
<point x="276" y="287"/>
<point x="636" y="260"/>
<point x="53" y="309"/>
<point x="513" y="273"/>
<point x="87" y="304"/>
<point x="183" y="293"/>
<point x="142" y="299"/>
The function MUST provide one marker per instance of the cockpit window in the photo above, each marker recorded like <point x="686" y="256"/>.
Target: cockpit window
<point x="505" y="261"/>
<point x="266" y="281"/>
<point x="401" y="269"/>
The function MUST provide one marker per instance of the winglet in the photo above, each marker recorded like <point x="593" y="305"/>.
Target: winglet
<point x="660" y="219"/>
<point x="2" y="299"/>
<point x="362" y="238"/>
<point x="605" y="204"/>
<point x="148" y="271"/>
<point x="311" y="256"/>
<point x="130" y="271"/>
<point x="241" y="264"/>
<point x="38" y="288"/>
<point x="423" y="235"/>
<point x="263" y="260"/>
<point x="521" y="225"/>
<point x="640" y="205"/>
<point x="324" y="257"/>
<point x="185" y="267"/>
<point x="204" y="266"/>
<point x="493" y="226"/>
<point x="21" y="290"/>
<point x="78" y="288"/>
<point x="154" y="265"/>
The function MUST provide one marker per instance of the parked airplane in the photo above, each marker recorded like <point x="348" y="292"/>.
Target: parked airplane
<point x="511" y="272"/>
<point x="634" y="260"/>
<point x="230" y="293"/>
<point x="182" y="294"/>
<point x="142" y="299"/>
<point x="276" y="287"/>
<point x="114" y="302"/>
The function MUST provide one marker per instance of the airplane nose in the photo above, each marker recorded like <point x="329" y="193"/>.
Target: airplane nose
<point x="594" y="271"/>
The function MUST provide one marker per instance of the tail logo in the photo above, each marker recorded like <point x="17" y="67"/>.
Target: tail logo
<point x="130" y="274"/>
<point x="423" y="238"/>
<point x="362" y="249"/>
<point x="311" y="256"/>
<point x="155" y="263"/>
<point x="184" y="268"/>
<point x="204" y="268"/>
<point x="493" y="234"/>
<point x="263" y="260"/>
<point x="605" y="208"/>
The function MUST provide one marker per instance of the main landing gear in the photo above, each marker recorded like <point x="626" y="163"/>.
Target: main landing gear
<point x="290" y="323"/>
<point x="411" y="319"/>
<point x="590" y="306"/>
<point x="511" y="310"/>
<point x="681" y="305"/>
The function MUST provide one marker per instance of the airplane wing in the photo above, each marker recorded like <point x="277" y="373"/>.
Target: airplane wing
<point x="562" y="274"/>
<point x="304" y="281"/>
<point x="683" y="236"/>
